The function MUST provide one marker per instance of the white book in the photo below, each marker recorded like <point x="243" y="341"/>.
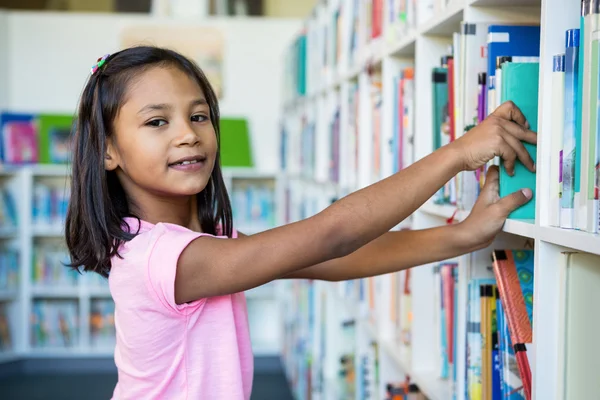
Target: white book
<point x="581" y="351"/>
<point x="590" y="216"/>
<point x="587" y="121"/>
<point x="475" y="62"/>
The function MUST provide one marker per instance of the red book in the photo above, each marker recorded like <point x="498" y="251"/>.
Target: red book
<point x="377" y="18"/>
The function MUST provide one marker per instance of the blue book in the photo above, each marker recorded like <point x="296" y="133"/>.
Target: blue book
<point x="496" y="368"/>
<point x="511" y="41"/>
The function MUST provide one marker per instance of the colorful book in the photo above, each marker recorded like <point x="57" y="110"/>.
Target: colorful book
<point x="511" y="385"/>
<point x="514" y="271"/>
<point x="567" y="204"/>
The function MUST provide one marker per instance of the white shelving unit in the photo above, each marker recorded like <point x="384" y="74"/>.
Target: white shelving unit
<point x="420" y="46"/>
<point x="20" y="181"/>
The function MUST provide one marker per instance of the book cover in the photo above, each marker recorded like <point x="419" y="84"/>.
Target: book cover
<point x="567" y="204"/>
<point x="593" y="183"/>
<point x="55" y="138"/>
<point x="511" y="383"/>
<point x="474" y="338"/>
<point x="20" y="138"/>
<point x="514" y="271"/>
<point x="520" y="84"/>
<point x="558" y="115"/>
<point x="439" y="85"/>
<point x="587" y="110"/>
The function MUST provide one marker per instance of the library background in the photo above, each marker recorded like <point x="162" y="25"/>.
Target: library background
<point x="350" y="91"/>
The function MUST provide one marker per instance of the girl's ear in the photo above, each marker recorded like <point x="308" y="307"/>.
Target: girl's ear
<point x="110" y="158"/>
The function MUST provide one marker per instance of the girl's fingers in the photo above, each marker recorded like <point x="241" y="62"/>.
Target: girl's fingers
<point x="520" y="151"/>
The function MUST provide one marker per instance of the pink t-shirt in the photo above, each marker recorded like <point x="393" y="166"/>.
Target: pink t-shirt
<point x="198" y="350"/>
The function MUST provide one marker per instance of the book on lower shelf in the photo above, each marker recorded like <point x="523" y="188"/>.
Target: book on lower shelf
<point x="54" y="324"/>
<point x="6" y="326"/>
<point x="102" y="324"/>
<point x="50" y="202"/>
<point x="49" y="268"/>
<point x="9" y="270"/>
<point x="253" y="204"/>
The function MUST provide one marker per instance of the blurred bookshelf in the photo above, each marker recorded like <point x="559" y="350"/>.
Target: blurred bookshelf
<point x="50" y="311"/>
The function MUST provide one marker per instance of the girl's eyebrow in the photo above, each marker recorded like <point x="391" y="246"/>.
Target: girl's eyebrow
<point x="165" y="106"/>
<point x="155" y="107"/>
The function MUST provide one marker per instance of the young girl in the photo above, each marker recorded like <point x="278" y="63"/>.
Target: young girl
<point x="149" y="210"/>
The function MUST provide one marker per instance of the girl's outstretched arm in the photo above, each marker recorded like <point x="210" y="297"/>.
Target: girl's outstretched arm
<point x="395" y="251"/>
<point x="210" y="266"/>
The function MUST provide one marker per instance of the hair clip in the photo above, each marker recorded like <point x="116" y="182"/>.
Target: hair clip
<point x="99" y="63"/>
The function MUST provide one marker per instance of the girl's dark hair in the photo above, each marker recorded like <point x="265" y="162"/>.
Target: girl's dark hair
<point x="98" y="204"/>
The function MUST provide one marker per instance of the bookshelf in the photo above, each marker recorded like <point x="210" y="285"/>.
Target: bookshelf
<point x="51" y="312"/>
<point x="338" y="126"/>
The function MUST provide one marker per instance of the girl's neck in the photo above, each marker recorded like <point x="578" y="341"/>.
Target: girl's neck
<point x="183" y="212"/>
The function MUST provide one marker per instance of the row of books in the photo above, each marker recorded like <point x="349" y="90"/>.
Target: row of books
<point x="489" y="64"/>
<point x="50" y="204"/>
<point x="5" y="328"/>
<point x="35" y="138"/>
<point x="499" y="326"/>
<point x="49" y="268"/>
<point x="342" y="34"/>
<point x="9" y="269"/>
<point x="253" y="204"/>
<point x="55" y="324"/>
<point x="102" y="323"/>
<point x="575" y="173"/>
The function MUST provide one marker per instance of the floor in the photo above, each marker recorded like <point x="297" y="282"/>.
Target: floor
<point x="266" y="386"/>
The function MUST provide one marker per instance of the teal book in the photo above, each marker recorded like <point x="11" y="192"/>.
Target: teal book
<point x="520" y="85"/>
<point x="439" y="82"/>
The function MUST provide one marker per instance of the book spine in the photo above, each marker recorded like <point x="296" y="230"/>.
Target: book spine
<point x="584" y="117"/>
<point x="579" y="97"/>
<point x="591" y="222"/>
<point x="558" y="101"/>
<point x="567" y="217"/>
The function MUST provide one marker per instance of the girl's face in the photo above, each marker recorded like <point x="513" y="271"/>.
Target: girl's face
<point x="164" y="144"/>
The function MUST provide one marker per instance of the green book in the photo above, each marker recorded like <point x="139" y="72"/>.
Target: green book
<point x="236" y="147"/>
<point x="55" y="138"/>
<point x="520" y="85"/>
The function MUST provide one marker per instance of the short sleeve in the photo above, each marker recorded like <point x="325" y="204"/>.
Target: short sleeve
<point x="166" y="246"/>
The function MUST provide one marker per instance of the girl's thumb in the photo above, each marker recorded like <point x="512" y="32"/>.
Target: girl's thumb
<point x="515" y="200"/>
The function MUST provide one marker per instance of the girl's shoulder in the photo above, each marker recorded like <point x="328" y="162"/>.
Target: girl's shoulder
<point x="141" y="228"/>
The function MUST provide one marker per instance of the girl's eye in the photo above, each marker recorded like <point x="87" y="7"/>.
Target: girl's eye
<point x="199" y="118"/>
<point x="157" y="123"/>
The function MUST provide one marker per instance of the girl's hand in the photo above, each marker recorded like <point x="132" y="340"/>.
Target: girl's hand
<point x="490" y="212"/>
<point x="499" y="135"/>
